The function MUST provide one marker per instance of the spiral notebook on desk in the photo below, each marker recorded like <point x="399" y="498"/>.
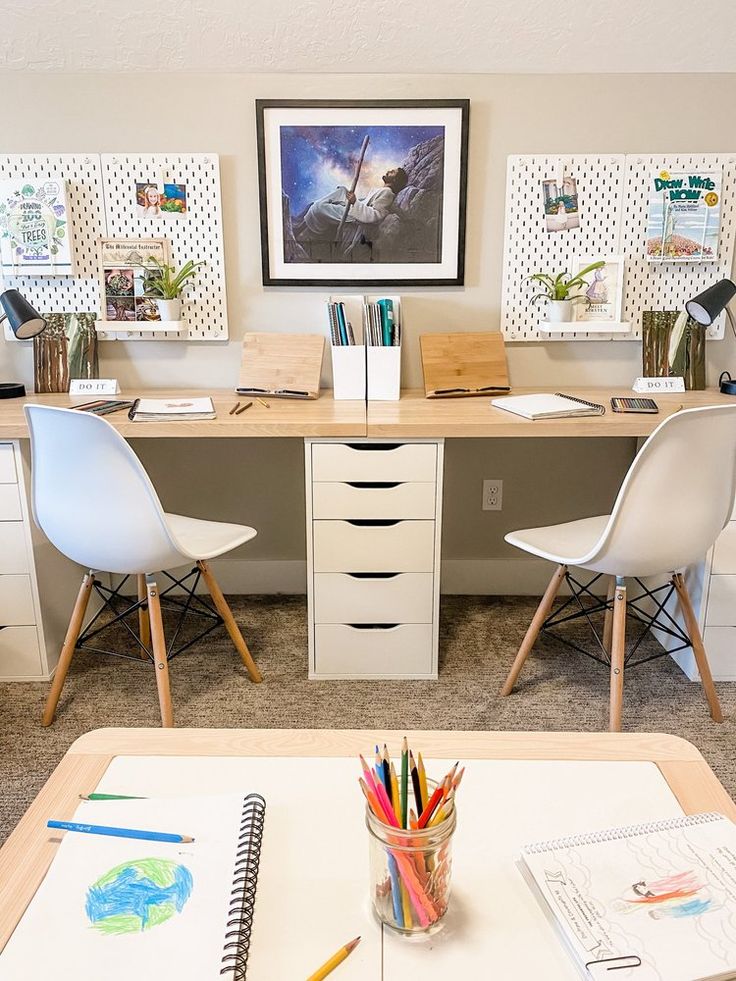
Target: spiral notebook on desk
<point x="648" y="902"/>
<point x="544" y="406"/>
<point x="117" y="908"/>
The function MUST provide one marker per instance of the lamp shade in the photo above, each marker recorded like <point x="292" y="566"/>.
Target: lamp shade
<point x="25" y="322"/>
<point x="705" y="307"/>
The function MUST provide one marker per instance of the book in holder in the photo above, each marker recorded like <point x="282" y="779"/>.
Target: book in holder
<point x="461" y="365"/>
<point x="281" y="365"/>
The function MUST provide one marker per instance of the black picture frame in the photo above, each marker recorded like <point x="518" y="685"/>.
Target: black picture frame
<point x="269" y="274"/>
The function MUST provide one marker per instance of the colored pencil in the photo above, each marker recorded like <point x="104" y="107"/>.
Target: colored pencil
<point x="393" y="872"/>
<point x="415" y="783"/>
<point x="431" y="806"/>
<point x="264" y="404"/>
<point x="379" y="765"/>
<point x="442" y="811"/>
<point x="404" y="782"/>
<point x="109" y="797"/>
<point x="406" y="907"/>
<point x="101" y="829"/>
<point x="458" y="778"/>
<point x="387" y="772"/>
<point x="422" y="782"/>
<point x="243" y="408"/>
<point x="395" y="796"/>
<point x="385" y="803"/>
<point x="329" y="966"/>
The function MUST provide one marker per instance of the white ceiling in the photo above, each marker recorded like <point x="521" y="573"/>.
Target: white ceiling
<point x="393" y="36"/>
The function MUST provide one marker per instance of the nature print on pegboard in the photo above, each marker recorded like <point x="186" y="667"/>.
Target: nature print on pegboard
<point x="35" y="233"/>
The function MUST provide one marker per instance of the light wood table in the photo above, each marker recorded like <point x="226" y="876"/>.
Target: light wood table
<point x="416" y="416"/>
<point x="283" y="417"/>
<point x="31" y="847"/>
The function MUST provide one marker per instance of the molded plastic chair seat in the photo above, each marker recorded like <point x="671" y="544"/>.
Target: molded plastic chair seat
<point x="95" y="502"/>
<point x="200" y="539"/>
<point x="673" y="503"/>
<point x="569" y="543"/>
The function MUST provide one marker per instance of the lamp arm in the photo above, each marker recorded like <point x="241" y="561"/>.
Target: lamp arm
<point x="731" y="320"/>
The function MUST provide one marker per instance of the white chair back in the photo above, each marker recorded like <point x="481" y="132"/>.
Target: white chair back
<point x="676" y="497"/>
<point x="91" y="496"/>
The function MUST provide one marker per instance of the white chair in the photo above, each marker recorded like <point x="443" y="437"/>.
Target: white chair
<point x="94" y="501"/>
<point x="673" y="504"/>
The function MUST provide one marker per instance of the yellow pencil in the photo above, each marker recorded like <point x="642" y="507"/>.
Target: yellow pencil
<point x="395" y="799"/>
<point x="422" y="780"/>
<point x="329" y="966"/>
<point x="264" y="404"/>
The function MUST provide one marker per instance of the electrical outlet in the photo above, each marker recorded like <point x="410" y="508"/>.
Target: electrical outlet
<point x="492" y="495"/>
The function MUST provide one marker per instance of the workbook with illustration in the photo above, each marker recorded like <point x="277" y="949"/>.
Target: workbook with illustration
<point x="650" y="902"/>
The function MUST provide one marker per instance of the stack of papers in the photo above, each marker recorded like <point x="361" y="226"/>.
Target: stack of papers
<point x="161" y="410"/>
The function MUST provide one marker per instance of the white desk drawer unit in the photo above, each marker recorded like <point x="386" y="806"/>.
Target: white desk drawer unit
<point x="373" y="527"/>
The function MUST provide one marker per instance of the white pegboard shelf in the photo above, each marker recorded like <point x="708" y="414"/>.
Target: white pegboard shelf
<point x="590" y="327"/>
<point x="154" y="327"/>
<point x="102" y="204"/>
<point x="613" y="203"/>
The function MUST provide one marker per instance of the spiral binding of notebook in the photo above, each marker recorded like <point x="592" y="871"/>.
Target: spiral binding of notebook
<point x="243" y="895"/>
<point x="615" y="834"/>
<point x="601" y="409"/>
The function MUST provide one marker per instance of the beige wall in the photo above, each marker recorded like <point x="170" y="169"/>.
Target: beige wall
<point x="262" y="483"/>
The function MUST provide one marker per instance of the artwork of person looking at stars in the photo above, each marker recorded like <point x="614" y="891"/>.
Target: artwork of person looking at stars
<point x="394" y="213"/>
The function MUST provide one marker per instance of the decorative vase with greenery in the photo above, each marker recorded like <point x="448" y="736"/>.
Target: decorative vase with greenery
<point x="165" y="285"/>
<point x="561" y="291"/>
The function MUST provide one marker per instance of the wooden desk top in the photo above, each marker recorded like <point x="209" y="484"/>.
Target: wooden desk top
<point x="415" y="416"/>
<point x="30" y="849"/>
<point x="284" y="417"/>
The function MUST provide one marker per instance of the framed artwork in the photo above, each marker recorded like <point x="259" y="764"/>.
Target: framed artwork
<point x="602" y="300"/>
<point x="123" y="276"/>
<point x="684" y="216"/>
<point x="363" y="193"/>
<point x="35" y="230"/>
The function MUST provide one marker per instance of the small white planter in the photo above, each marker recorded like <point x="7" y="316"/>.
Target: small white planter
<point x="169" y="309"/>
<point x="560" y="311"/>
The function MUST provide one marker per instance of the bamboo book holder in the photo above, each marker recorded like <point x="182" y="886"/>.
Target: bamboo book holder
<point x="281" y="365"/>
<point x="461" y="365"/>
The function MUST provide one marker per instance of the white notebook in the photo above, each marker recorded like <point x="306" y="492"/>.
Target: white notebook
<point x="544" y="406"/>
<point x="649" y="902"/>
<point x="148" y="410"/>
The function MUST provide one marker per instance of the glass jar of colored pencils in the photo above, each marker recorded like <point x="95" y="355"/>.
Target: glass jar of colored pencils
<point x="410" y="869"/>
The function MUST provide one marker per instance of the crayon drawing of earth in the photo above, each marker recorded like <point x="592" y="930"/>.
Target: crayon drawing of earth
<point x="138" y="895"/>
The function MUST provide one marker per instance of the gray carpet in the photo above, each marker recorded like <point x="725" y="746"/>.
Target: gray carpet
<point x="479" y="637"/>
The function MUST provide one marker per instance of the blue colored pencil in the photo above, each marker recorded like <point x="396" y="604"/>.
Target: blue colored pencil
<point x="101" y="829"/>
<point x="393" y="871"/>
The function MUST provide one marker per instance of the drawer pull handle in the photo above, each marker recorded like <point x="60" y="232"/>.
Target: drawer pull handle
<point x="373" y="522"/>
<point x="372" y="626"/>
<point x="373" y="575"/>
<point x="374" y="484"/>
<point x="374" y="446"/>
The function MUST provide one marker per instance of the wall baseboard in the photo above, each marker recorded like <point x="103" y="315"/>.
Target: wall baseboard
<point x="480" y="577"/>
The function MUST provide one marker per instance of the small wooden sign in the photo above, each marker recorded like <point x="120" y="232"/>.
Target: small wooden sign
<point x="94" y="386"/>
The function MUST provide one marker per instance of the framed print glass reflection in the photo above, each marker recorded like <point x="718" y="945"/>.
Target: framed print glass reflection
<point x="362" y="193"/>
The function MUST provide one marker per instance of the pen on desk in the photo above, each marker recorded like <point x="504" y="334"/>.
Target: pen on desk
<point x="234" y="408"/>
<point x="102" y="829"/>
<point x="109" y="797"/>
<point x="329" y="966"/>
<point x="243" y="408"/>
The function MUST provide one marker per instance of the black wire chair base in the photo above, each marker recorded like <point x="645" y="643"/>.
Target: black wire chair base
<point x="193" y="608"/>
<point x="660" y="619"/>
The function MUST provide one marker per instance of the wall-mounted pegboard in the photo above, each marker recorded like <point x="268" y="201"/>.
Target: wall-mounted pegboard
<point x="613" y="204"/>
<point x="83" y="174"/>
<point x="102" y="204"/>
<point x="195" y="235"/>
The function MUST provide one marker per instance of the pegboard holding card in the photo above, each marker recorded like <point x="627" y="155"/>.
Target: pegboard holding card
<point x="613" y="203"/>
<point x="82" y="172"/>
<point x="663" y="285"/>
<point x="193" y="233"/>
<point x="530" y="248"/>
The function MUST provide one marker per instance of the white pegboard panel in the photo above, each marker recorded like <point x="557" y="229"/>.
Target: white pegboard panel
<point x="196" y="235"/>
<point x="668" y="285"/>
<point x="529" y="248"/>
<point x="81" y="171"/>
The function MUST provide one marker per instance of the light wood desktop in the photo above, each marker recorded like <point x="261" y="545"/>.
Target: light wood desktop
<point x="415" y="416"/>
<point x="31" y="847"/>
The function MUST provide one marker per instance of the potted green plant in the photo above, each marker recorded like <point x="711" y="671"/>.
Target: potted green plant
<point x="561" y="291"/>
<point x="165" y="285"/>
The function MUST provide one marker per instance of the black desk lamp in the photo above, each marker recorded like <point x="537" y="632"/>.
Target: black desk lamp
<point x="25" y="323"/>
<point x="705" y="307"/>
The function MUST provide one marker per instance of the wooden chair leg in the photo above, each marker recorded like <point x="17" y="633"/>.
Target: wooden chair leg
<point x="67" y="650"/>
<point x="144" y="624"/>
<point x="696" y="639"/>
<point x="534" y="627"/>
<point x="618" y="650"/>
<point x="160" y="661"/>
<point x="232" y="628"/>
<point x="608" y="619"/>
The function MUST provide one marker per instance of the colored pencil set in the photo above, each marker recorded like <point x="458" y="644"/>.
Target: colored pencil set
<point x="411" y="880"/>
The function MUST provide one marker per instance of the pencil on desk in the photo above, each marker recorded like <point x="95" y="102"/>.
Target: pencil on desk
<point x="243" y="408"/>
<point x="329" y="966"/>
<point x="101" y="829"/>
<point x="263" y="403"/>
<point x="234" y="408"/>
<point x="109" y="797"/>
